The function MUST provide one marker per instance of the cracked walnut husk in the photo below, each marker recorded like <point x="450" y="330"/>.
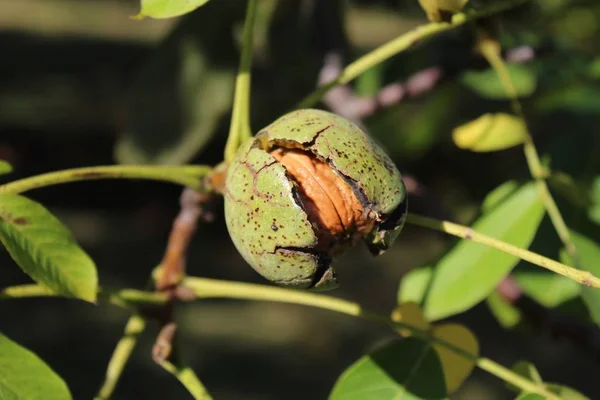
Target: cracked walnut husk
<point x="304" y="190"/>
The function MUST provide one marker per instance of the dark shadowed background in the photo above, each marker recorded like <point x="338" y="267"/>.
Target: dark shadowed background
<point x="82" y="84"/>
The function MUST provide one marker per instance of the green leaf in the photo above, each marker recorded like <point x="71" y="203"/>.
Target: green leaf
<point x="410" y="313"/>
<point x="182" y="96"/>
<point x="413" y="285"/>
<point x="566" y="393"/>
<point x="24" y="376"/>
<point x="498" y="195"/>
<point x="528" y="371"/>
<point x="506" y="314"/>
<point x="487" y="84"/>
<point x="547" y="288"/>
<point x="576" y="97"/>
<point x="594" y="210"/>
<point x="530" y="396"/>
<point x="369" y="82"/>
<point x="45" y="249"/>
<point x="490" y="132"/>
<point x="168" y="8"/>
<point x="409" y="369"/>
<point x="589" y="256"/>
<point x="441" y="10"/>
<point x="469" y="272"/>
<point x="5" y="167"/>
<point x="594" y="68"/>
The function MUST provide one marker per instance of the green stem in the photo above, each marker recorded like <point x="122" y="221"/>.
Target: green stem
<point x="583" y="277"/>
<point x="188" y="379"/>
<point x="517" y="380"/>
<point x="189" y="175"/>
<point x="134" y="328"/>
<point x="210" y="288"/>
<point x="239" y="129"/>
<point x="399" y="44"/>
<point x="492" y="52"/>
<point x="123" y="298"/>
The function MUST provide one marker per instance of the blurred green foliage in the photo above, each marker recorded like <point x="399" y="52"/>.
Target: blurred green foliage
<point x="79" y="77"/>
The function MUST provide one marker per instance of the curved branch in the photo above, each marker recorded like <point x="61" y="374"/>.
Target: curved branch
<point x="188" y="175"/>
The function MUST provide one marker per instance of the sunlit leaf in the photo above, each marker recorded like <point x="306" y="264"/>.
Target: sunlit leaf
<point x="506" y="314"/>
<point x="530" y="396"/>
<point x="547" y="288"/>
<point x="589" y="257"/>
<point x="413" y="285"/>
<point x="5" y="167"/>
<point x="490" y="132"/>
<point x="469" y="272"/>
<point x="487" y="84"/>
<point x="168" y="8"/>
<point x="410" y="313"/>
<point x="24" y="376"/>
<point x="456" y="367"/>
<point x="441" y="10"/>
<point x="566" y="393"/>
<point x="594" y="210"/>
<point x="45" y="249"/>
<point x="498" y="195"/>
<point x="408" y="369"/>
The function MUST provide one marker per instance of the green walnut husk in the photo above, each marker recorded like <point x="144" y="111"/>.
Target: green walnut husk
<point x="269" y="217"/>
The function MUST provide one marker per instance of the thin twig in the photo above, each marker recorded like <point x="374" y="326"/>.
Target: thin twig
<point x="204" y="288"/>
<point x="188" y="379"/>
<point x="240" y="129"/>
<point x="189" y="175"/>
<point x="343" y="101"/>
<point x="210" y="288"/>
<point x="172" y="266"/>
<point x="126" y="298"/>
<point x="583" y="277"/>
<point x="134" y="328"/>
<point x="167" y="353"/>
<point x="400" y="44"/>
<point x="491" y="50"/>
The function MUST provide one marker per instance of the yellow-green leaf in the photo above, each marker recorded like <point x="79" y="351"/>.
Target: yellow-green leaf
<point x="589" y="257"/>
<point x="441" y="10"/>
<point x="530" y="396"/>
<point x="45" y="249"/>
<point x="490" y="132"/>
<point x="469" y="272"/>
<point x="506" y="314"/>
<point x="547" y="288"/>
<point x="498" y="195"/>
<point x="413" y="285"/>
<point x="487" y="84"/>
<point x="5" y="167"/>
<point x="168" y="8"/>
<point x="565" y="392"/>
<point x="24" y="376"/>
<point x="456" y="367"/>
<point x="411" y="314"/>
